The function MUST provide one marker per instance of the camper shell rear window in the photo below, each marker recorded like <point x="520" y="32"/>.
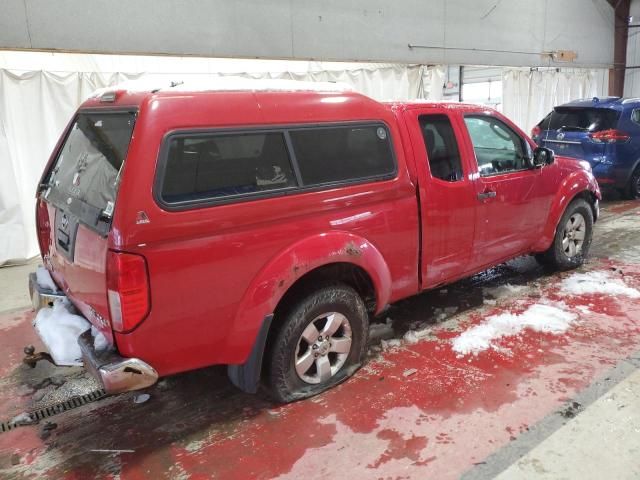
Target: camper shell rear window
<point x="85" y="176"/>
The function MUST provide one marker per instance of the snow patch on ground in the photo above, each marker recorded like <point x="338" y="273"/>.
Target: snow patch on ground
<point x="381" y="330"/>
<point x="43" y="277"/>
<point x="59" y="329"/>
<point x="538" y="317"/>
<point x="414" y="336"/>
<point x="503" y="291"/>
<point x="599" y="282"/>
<point x="390" y="344"/>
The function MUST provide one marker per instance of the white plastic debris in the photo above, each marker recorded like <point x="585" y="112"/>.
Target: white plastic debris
<point x="538" y="317"/>
<point x="141" y="398"/>
<point x="59" y="329"/>
<point x="409" y="372"/>
<point x="43" y="277"/>
<point x="23" y="419"/>
<point x="599" y="282"/>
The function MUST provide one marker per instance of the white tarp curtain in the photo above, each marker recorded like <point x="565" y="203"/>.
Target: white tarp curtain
<point x="529" y="95"/>
<point x="40" y="91"/>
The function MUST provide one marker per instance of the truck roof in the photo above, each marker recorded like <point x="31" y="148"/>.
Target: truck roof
<point x="436" y="104"/>
<point x="233" y="100"/>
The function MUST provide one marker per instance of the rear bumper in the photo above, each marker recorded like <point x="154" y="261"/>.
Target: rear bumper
<point x="117" y="374"/>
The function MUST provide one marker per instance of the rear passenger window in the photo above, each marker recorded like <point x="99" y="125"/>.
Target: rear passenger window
<point x="342" y="153"/>
<point x="213" y="166"/>
<point x="442" y="147"/>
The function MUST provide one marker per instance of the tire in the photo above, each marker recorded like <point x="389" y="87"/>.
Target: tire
<point x="299" y="367"/>
<point x="632" y="191"/>
<point x="568" y="250"/>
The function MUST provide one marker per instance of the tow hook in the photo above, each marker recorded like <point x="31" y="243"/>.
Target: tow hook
<point x="31" y="358"/>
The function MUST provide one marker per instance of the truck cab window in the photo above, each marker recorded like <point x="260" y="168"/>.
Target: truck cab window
<point x="498" y="149"/>
<point x="442" y="147"/>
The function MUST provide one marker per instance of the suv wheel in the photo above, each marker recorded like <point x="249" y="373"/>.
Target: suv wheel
<point x="321" y="342"/>
<point x="633" y="189"/>
<point x="572" y="239"/>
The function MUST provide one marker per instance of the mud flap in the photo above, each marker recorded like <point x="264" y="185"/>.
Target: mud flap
<point x="247" y="376"/>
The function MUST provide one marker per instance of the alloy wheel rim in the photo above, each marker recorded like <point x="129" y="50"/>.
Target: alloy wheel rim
<point x="323" y="348"/>
<point x="574" y="235"/>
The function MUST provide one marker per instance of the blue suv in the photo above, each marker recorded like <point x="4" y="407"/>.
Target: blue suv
<point x="603" y="131"/>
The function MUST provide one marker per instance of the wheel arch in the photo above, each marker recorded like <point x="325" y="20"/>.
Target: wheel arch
<point x="576" y="185"/>
<point x="336" y="256"/>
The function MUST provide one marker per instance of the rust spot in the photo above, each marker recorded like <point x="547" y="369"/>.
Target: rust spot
<point x="296" y="268"/>
<point x="281" y="284"/>
<point x="353" y="250"/>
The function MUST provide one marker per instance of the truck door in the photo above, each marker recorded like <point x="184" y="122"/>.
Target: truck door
<point x="446" y="193"/>
<point x="512" y="198"/>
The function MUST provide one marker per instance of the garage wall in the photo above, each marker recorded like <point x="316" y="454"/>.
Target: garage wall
<point x="478" y="32"/>
<point x="528" y="94"/>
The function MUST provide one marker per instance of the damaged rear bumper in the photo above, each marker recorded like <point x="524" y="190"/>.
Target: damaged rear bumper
<point x="117" y="374"/>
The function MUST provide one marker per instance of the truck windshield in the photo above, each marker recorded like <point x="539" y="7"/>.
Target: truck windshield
<point x="87" y="169"/>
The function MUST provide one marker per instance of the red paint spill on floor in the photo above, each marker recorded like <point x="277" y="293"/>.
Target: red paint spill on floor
<point x="453" y="412"/>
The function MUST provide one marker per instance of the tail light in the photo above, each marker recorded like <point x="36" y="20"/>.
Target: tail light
<point x="43" y="226"/>
<point x="609" y="136"/>
<point x="127" y="290"/>
<point x="536" y="132"/>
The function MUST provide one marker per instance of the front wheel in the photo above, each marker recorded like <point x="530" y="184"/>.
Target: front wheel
<point x="573" y="237"/>
<point x="321" y="342"/>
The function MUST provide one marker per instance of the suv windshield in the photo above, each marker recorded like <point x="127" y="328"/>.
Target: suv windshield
<point x="85" y="175"/>
<point x="584" y="119"/>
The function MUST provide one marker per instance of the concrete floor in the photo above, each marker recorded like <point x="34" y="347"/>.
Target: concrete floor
<point x="14" y="285"/>
<point x="539" y="406"/>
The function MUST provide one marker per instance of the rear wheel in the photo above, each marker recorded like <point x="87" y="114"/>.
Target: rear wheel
<point x="572" y="239"/>
<point x="321" y="342"/>
<point x="632" y="192"/>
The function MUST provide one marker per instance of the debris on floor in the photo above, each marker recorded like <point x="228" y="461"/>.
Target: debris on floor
<point x="571" y="410"/>
<point x="141" y="398"/>
<point x="23" y="419"/>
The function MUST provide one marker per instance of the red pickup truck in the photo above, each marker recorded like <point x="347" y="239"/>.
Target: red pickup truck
<point x="261" y="227"/>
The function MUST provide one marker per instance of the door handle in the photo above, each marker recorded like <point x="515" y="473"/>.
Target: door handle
<point x="485" y="195"/>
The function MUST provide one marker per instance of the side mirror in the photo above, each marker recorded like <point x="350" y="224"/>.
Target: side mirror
<point x="542" y="156"/>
